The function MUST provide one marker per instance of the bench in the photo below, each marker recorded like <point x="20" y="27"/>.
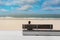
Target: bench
<point x="37" y="26"/>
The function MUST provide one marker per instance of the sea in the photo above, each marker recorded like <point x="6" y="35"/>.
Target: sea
<point x="31" y="16"/>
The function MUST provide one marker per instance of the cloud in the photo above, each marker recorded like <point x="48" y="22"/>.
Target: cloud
<point x="8" y="4"/>
<point x="51" y="5"/>
<point x="24" y="1"/>
<point x="25" y="7"/>
<point x="22" y="5"/>
<point x="3" y="10"/>
<point x="51" y="8"/>
<point x="18" y="2"/>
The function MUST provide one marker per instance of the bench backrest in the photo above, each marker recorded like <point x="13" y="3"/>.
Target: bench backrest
<point x="38" y="26"/>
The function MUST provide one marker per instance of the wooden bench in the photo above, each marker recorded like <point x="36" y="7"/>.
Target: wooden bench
<point x="37" y="26"/>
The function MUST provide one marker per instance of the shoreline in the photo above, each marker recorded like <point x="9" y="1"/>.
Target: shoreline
<point x="8" y="18"/>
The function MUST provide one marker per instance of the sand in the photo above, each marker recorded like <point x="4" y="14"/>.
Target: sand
<point x="16" y="24"/>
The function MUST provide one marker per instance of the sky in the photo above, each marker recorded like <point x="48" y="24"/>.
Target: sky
<point x="30" y="6"/>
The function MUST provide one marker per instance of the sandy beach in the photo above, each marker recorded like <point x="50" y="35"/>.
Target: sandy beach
<point x="16" y="23"/>
<point x="8" y="27"/>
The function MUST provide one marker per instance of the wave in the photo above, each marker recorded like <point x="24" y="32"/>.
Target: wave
<point x="28" y="18"/>
<point x="6" y="17"/>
